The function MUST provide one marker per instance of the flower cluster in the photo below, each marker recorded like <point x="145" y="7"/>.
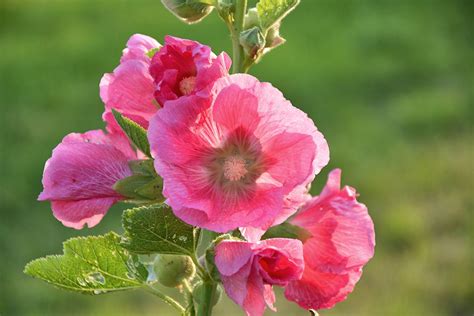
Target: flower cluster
<point x="234" y="156"/>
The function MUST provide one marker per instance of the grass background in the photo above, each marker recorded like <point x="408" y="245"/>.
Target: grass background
<point x="389" y="83"/>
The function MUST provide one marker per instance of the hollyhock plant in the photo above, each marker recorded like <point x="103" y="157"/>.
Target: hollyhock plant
<point x="249" y="270"/>
<point x="218" y="167"/>
<point x="79" y="177"/>
<point x="341" y="242"/>
<point x="230" y="160"/>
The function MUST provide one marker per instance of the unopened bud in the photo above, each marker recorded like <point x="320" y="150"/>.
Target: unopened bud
<point x="188" y="11"/>
<point x="199" y="295"/>
<point x="251" y="19"/>
<point x="173" y="270"/>
<point x="253" y="42"/>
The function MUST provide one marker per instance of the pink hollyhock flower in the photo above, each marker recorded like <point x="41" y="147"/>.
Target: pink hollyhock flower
<point x="184" y="67"/>
<point x="79" y="177"/>
<point x="342" y="241"/>
<point x="231" y="160"/>
<point x="248" y="270"/>
<point x="129" y="89"/>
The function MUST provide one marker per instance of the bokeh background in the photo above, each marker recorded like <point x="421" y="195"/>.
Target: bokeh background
<point x="389" y="83"/>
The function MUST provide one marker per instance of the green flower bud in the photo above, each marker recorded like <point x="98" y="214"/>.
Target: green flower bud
<point x="251" y="19"/>
<point x="198" y="294"/>
<point x="172" y="270"/>
<point x="189" y="11"/>
<point x="253" y="42"/>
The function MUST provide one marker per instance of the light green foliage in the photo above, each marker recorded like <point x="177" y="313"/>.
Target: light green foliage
<point x="135" y="132"/>
<point x="90" y="265"/>
<point x="273" y="11"/>
<point x="155" y="229"/>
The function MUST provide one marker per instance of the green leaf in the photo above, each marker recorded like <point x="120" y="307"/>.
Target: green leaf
<point x="155" y="229"/>
<point x="142" y="167"/>
<point x="287" y="230"/>
<point x="273" y="11"/>
<point x="141" y="189"/>
<point x="153" y="51"/>
<point x="90" y="265"/>
<point x="135" y="132"/>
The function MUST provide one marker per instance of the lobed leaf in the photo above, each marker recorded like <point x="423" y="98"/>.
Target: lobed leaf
<point x="90" y="265"/>
<point x="135" y="132"/>
<point x="154" y="229"/>
<point x="273" y="11"/>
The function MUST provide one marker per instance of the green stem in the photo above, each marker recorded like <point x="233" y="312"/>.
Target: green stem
<point x="210" y="291"/>
<point x="168" y="300"/>
<point x="237" y="26"/>
<point x="190" y="311"/>
<point x="200" y="270"/>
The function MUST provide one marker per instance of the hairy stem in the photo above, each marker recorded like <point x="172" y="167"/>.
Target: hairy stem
<point x="237" y="26"/>
<point x="165" y="298"/>
<point x="210" y="291"/>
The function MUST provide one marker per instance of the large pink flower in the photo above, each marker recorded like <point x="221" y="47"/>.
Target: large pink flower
<point x="248" y="270"/>
<point x="184" y="67"/>
<point x="79" y="176"/>
<point x="129" y="89"/>
<point x="231" y="160"/>
<point x="342" y="241"/>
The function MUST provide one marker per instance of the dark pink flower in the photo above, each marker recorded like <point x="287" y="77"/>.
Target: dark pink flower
<point x="129" y="89"/>
<point x="79" y="177"/>
<point x="184" y="67"/>
<point x="342" y="241"/>
<point x="233" y="159"/>
<point x="248" y="270"/>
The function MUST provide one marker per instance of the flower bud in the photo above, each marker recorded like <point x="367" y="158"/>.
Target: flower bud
<point x="172" y="270"/>
<point x="226" y="9"/>
<point x="253" y="42"/>
<point x="188" y="11"/>
<point x="251" y="19"/>
<point x="198" y="294"/>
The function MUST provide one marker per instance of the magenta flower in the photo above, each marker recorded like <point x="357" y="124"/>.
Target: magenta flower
<point x="129" y="89"/>
<point x="79" y="176"/>
<point x="342" y="241"/>
<point x="231" y="160"/>
<point x="184" y="67"/>
<point x="248" y="270"/>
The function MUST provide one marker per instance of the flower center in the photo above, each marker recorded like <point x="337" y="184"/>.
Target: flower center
<point x="186" y="85"/>
<point x="234" y="168"/>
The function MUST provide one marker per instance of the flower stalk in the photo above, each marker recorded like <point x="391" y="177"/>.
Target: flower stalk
<point x="238" y="56"/>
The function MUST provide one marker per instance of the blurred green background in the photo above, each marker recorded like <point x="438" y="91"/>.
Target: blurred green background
<point x="389" y="83"/>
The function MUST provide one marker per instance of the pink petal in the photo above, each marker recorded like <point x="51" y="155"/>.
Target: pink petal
<point x="318" y="290"/>
<point x="342" y="242"/>
<point x="231" y="256"/>
<point x="129" y="89"/>
<point x="269" y="297"/>
<point x="78" y="213"/>
<point x="254" y="303"/>
<point x="342" y="230"/>
<point x="83" y="171"/>
<point x="138" y="46"/>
